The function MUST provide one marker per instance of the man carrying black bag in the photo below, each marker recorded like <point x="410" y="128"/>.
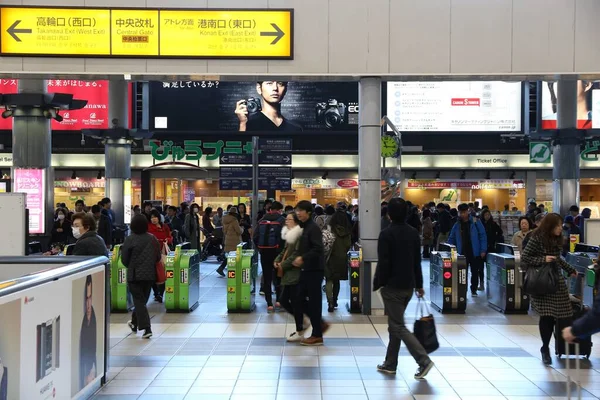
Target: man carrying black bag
<point x="398" y="273"/>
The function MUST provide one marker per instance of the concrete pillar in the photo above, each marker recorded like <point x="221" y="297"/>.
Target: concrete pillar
<point x="369" y="177"/>
<point x="32" y="144"/>
<point x="117" y="152"/>
<point x="530" y="183"/>
<point x="565" y="173"/>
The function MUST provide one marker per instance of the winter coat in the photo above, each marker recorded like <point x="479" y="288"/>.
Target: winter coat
<point x="191" y="228"/>
<point x="64" y="237"/>
<point x="161" y="233"/>
<point x="232" y="232"/>
<point x="557" y="304"/>
<point x="427" y="232"/>
<point x="291" y="274"/>
<point x="139" y="254"/>
<point x="494" y="235"/>
<point x="90" y="244"/>
<point x="336" y="267"/>
<point x="518" y="238"/>
<point x="478" y="237"/>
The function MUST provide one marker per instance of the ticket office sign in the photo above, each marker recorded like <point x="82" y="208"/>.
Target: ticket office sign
<point x="146" y="33"/>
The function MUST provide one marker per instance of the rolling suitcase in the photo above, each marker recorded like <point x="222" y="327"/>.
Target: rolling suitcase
<point x="585" y="345"/>
<point x="568" y="365"/>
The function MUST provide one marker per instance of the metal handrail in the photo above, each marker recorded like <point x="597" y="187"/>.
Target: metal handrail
<point x="76" y="265"/>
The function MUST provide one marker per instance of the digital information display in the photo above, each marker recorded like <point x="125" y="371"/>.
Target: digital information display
<point x="103" y="32"/>
<point x="491" y="106"/>
<point x="588" y="105"/>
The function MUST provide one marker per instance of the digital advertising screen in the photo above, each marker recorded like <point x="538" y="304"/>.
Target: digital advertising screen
<point x="588" y="105"/>
<point x="93" y="116"/>
<point x="491" y="106"/>
<point x="214" y="106"/>
<point x="32" y="183"/>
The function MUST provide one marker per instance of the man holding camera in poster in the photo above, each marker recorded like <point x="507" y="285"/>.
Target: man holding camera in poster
<point x="264" y="113"/>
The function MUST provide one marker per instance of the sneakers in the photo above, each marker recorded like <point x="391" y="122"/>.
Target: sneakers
<point x="312" y="341"/>
<point x="270" y="309"/>
<point x="261" y="291"/>
<point x="386" y="370"/>
<point x="423" y="370"/>
<point x="158" y="299"/>
<point x="296" y="337"/>
<point x="147" y="334"/>
<point x="132" y="326"/>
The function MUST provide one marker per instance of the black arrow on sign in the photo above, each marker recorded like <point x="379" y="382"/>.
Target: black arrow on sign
<point x="12" y="30"/>
<point x="278" y="34"/>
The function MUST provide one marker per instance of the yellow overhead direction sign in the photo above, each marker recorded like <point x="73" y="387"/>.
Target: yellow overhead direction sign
<point x="97" y="32"/>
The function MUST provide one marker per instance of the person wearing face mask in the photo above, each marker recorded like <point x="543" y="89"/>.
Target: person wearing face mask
<point x="89" y="243"/>
<point x="61" y="230"/>
<point x="191" y="227"/>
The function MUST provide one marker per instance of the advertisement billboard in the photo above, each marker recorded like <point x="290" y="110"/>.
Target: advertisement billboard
<point x="481" y="106"/>
<point x="213" y="106"/>
<point x="93" y="116"/>
<point x="32" y="183"/>
<point x="588" y="105"/>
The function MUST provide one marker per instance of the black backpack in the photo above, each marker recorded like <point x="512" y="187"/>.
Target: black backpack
<point x="269" y="233"/>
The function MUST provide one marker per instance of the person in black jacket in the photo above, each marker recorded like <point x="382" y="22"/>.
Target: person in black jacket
<point x="140" y="253"/>
<point x="103" y="224"/>
<point x="312" y="269"/>
<point x="494" y="236"/>
<point x="88" y="242"/>
<point x="398" y="275"/>
<point x="585" y="326"/>
<point x="443" y="224"/>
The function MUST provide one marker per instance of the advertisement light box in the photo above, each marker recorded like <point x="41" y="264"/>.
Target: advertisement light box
<point x="588" y="105"/>
<point x="491" y="106"/>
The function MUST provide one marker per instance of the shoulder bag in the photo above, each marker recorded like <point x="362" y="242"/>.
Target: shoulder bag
<point x="541" y="280"/>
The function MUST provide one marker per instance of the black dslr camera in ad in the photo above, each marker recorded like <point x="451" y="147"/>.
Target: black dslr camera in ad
<point x="203" y="106"/>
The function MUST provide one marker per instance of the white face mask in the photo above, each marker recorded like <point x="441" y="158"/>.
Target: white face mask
<point x="61" y="217"/>
<point x="76" y="232"/>
<point x="196" y="210"/>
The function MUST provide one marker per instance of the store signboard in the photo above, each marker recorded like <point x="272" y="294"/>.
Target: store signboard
<point x="164" y="33"/>
<point x="318" y="183"/>
<point x="453" y="106"/>
<point x="466" y="184"/>
<point x="214" y="106"/>
<point x="93" y="116"/>
<point x="588" y="105"/>
<point x="32" y="183"/>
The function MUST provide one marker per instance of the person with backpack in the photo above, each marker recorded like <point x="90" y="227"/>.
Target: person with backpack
<point x="269" y="243"/>
<point x="337" y="242"/>
<point x="320" y="217"/>
<point x="470" y="239"/>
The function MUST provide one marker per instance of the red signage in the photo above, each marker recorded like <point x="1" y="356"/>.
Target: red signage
<point x="473" y="102"/>
<point x="95" y="113"/>
<point x="347" y="183"/>
<point x="7" y="86"/>
<point x="93" y="116"/>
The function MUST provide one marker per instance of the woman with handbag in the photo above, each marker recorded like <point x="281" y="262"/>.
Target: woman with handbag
<point x="140" y="253"/>
<point x="544" y="281"/>
<point x="163" y="234"/>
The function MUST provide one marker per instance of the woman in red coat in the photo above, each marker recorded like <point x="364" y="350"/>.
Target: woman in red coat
<point x="163" y="234"/>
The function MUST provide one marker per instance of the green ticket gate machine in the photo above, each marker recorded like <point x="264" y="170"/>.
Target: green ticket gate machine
<point x="505" y="280"/>
<point x="448" y="280"/>
<point x="182" y="288"/>
<point x="120" y="299"/>
<point x="239" y="280"/>
<point x="583" y="259"/>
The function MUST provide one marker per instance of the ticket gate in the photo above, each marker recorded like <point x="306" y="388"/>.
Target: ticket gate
<point x="505" y="281"/>
<point x="583" y="260"/>
<point x="239" y="280"/>
<point x="448" y="281"/>
<point x="120" y="299"/>
<point x="182" y="288"/>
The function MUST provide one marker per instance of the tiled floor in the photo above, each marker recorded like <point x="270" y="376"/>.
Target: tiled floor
<point x="209" y="354"/>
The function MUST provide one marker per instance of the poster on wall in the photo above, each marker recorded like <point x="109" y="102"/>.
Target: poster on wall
<point x="32" y="182"/>
<point x="479" y="106"/>
<point x="588" y="105"/>
<point x="254" y="106"/>
<point x="93" y="116"/>
<point x="10" y="345"/>
<point x="87" y="333"/>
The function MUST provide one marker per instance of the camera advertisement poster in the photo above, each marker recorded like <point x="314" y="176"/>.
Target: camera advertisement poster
<point x="212" y="106"/>
<point x="480" y="106"/>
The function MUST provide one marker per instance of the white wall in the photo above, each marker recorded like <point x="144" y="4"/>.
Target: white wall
<point x="401" y="37"/>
